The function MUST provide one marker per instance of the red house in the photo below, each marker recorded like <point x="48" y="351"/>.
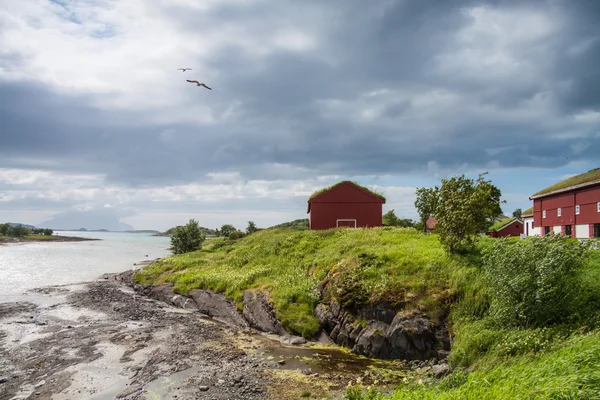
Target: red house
<point x="570" y="207"/>
<point x="345" y="204"/>
<point x="506" y="227"/>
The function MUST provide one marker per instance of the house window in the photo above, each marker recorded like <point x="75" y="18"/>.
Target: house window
<point x="532" y="225"/>
<point x="597" y="230"/>
<point x="576" y="210"/>
<point x="546" y="230"/>
<point x="544" y="214"/>
<point x="559" y="212"/>
<point x="568" y="231"/>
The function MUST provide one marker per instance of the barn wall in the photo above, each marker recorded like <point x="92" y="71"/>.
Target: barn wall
<point x="587" y="199"/>
<point x="514" y="229"/>
<point x="325" y="215"/>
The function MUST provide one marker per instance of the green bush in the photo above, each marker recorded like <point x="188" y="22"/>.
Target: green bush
<point x="234" y="235"/>
<point x="185" y="239"/>
<point x="533" y="282"/>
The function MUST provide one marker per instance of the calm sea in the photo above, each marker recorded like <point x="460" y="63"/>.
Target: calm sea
<point x="25" y="266"/>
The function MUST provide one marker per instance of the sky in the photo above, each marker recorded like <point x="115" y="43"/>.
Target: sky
<point x="99" y="129"/>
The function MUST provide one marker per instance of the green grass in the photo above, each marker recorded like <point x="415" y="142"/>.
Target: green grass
<point x="321" y="191"/>
<point x="398" y="265"/>
<point x="590" y="176"/>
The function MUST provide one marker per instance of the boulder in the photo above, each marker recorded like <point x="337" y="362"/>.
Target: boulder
<point x="217" y="306"/>
<point x="260" y="314"/>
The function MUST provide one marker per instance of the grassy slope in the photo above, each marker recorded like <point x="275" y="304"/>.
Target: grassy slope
<point x="400" y="265"/>
<point x="590" y="176"/>
<point x="489" y="362"/>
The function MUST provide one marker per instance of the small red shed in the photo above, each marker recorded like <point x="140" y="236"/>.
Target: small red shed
<point x="345" y="204"/>
<point x="507" y="227"/>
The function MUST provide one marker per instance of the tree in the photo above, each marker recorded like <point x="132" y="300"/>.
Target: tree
<point x="251" y="228"/>
<point x="427" y="203"/>
<point x="226" y="230"/>
<point x="465" y="208"/>
<point x="19" y="231"/>
<point x="517" y="213"/>
<point x="390" y="219"/>
<point x="187" y="238"/>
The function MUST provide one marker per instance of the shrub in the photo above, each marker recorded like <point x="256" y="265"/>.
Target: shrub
<point x="187" y="238"/>
<point x="533" y="282"/>
<point x="233" y="235"/>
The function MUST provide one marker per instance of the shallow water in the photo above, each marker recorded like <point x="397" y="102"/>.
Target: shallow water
<point x="24" y="266"/>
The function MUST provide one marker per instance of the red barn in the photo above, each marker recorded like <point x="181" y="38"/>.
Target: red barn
<point x="345" y="204"/>
<point x="570" y="207"/>
<point x="506" y="227"/>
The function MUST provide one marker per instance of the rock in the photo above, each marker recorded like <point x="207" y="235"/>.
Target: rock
<point x="281" y="362"/>
<point x="218" y="306"/>
<point x="3" y="379"/>
<point x="443" y="354"/>
<point x="292" y="340"/>
<point x="260" y="314"/>
<point x="203" y="388"/>
<point x="440" y="370"/>
<point x="372" y="341"/>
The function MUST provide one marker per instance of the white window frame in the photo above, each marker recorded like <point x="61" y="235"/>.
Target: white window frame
<point x="577" y="210"/>
<point x="337" y="222"/>
<point x="559" y="212"/>
<point x="599" y="206"/>
<point x="544" y="214"/>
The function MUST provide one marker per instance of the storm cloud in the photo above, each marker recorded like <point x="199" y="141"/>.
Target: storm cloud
<point x="304" y="93"/>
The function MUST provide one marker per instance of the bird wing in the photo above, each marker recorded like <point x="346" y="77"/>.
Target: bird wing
<point x="192" y="81"/>
<point x="202" y="84"/>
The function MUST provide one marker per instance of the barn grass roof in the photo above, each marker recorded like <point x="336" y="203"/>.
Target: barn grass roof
<point x="529" y="211"/>
<point x="577" y="180"/>
<point x="321" y="191"/>
<point x="501" y="224"/>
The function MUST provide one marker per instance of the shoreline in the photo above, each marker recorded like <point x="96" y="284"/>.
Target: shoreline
<point x="44" y="239"/>
<point x="104" y="339"/>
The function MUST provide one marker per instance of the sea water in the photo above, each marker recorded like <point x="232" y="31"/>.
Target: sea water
<point x="25" y="266"/>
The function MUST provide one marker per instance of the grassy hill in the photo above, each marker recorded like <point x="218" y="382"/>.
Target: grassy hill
<point x="412" y="271"/>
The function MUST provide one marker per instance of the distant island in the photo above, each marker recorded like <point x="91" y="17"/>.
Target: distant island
<point x="12" y="232"/>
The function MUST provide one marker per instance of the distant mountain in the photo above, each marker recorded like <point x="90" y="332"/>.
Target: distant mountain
<point x="13" y="224"/>
<point x="99" y="220"/>
<point x="143" y="231"/>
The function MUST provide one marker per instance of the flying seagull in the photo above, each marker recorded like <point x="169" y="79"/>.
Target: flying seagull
<point x="183" y="69"/>
<point x="198" y="84"/>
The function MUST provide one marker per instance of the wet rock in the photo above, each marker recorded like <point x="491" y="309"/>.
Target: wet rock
<point x="440" y="370"/>
<point x="372" y="342"/>
<point x="217" y="306"/>
<point x="203" y="388"/>
<point x="260" y="314"/>
<point x="281" y="362"/>
<point x="3" y="379"/>
<point x="293" y="340"/>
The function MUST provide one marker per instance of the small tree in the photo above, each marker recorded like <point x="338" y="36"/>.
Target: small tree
<point x="517" y="213"/>
<point x="534" y="282"/>
<point x="19" y="231"/>
<point x="251" y="228"/>
<point x="465" y="208"/>
<point x="187" y="238"/>
<point x="226" y="230"/>
<point x="427" y="203"/>
<point x="48" y="232"/>
<point x="390" y="218"/>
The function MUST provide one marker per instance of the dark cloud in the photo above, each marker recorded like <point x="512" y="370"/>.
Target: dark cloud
<point x="361" y="47"/>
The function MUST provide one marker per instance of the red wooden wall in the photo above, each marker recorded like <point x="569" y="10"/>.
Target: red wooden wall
<point x="345" y="201"/>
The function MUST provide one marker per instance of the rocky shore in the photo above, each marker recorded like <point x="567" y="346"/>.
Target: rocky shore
<point x="103" y="339"/>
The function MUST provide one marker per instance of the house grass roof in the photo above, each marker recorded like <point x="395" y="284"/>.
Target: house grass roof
<point x="321" y="191"/>
<point x="501" y="224"/>
<point x="581" y="179"/>
<point x="529" y="211"/>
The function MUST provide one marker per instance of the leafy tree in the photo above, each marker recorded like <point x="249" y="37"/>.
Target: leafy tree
<point x="427" y="203"/>
<point x="251" y="228"/>
<point x="235" y="234"/>
<point x="297" y="224"/>
<point x="534" y="282"/>
<point x="5" y="229"/>
<point x="517" y="213"/>
<point x="187" y="238"/>
<point x="390" y="219"/>
<point x="465" y="208"/>
<point x="19" y="231"/>
<point x="227" y="229"/>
